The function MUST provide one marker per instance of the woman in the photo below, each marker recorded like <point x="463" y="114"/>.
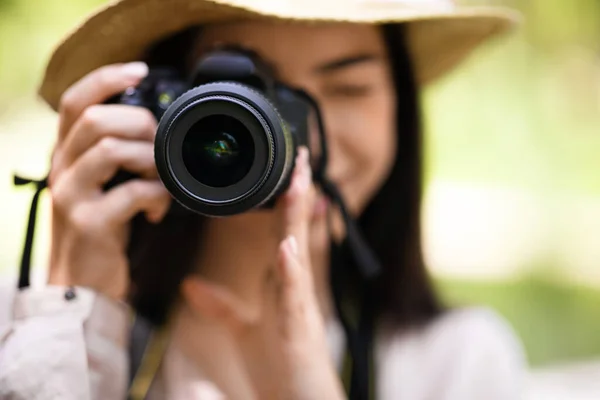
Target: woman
<point x="252" y="306"/>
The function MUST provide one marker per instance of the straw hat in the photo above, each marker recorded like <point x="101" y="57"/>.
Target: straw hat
<point x="440" y="33"/>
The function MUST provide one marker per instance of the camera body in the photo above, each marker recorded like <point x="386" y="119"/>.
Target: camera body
<point x="227" y="138"/>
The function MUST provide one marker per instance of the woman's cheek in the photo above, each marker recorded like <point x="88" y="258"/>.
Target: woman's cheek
<point x="361" y="147"/>
<point x="370" y="154"/>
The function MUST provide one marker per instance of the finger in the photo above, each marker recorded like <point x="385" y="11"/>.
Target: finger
<point x="100" y="163"/>
<point x="85" y="178"/>
<point x="98" y="121"/>
<point x="218" y="304"/>
<point x="97" y="87"/>
<point x="117" y="207"/>
<point x="297" y="203"/>
<point x="288" y="265"/>
<point x="124" y="201"/>
<point x="294" y="294"/>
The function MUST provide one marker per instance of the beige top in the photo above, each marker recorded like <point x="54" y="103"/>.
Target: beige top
<point x="53" y="348"/>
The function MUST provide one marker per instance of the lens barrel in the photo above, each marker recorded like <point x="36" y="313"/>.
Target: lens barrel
<point x="222" y="149"/>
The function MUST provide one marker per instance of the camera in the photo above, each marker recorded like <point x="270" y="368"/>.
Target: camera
<point x="227" y="137"/>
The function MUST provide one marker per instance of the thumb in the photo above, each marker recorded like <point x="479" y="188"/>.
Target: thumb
<point x="218" y="304"/>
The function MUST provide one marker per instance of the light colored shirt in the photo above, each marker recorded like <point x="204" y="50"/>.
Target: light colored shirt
<point x="54" y="348"/>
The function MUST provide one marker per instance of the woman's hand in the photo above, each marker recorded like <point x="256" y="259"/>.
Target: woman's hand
<point x="90" y="226"/>
<point x="284" y="348"/>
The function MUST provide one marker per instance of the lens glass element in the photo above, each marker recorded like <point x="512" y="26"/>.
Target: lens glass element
<point x="218" y="151"/>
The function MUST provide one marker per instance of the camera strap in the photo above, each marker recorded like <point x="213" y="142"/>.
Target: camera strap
<point x="25" y="265"/>
<point x="147" y="347"/>
<point x="354" y="306"/>
<point x="357" y="319"/>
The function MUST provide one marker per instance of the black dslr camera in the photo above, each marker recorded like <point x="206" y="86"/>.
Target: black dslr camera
<point x="227" y="138"/>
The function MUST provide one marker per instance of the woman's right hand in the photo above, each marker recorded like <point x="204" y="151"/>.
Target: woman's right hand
<point x="90" y="226"/>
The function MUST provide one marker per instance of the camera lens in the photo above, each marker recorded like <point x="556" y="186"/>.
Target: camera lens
<point x="222" y="149"/>
<point x="218" y="151"/>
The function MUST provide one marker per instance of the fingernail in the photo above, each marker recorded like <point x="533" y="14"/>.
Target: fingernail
<point x="304" y="156"/>
<point x="135" y="70"/>
<point x="306" y="172"/>
<point x="293" y="244"/>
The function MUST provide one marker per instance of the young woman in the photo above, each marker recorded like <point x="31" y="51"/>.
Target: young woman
<point x="259" y="305"/>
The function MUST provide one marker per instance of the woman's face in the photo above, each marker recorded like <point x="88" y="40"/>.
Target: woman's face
<point x="346" y="69"/>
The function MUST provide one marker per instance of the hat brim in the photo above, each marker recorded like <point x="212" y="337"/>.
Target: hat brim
<point x="438" y="39"/>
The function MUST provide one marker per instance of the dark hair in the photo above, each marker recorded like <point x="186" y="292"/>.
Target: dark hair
<point x="162" y="255"/>
<point x="392" y="221"/>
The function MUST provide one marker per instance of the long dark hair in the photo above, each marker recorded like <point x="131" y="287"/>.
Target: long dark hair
<point x="162" y="255"/>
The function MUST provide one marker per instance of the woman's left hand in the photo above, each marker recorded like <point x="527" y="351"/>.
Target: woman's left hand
<point x="284" y="349"/>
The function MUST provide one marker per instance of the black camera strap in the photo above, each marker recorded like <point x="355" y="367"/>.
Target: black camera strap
<point x="356" y="314"/>
<point x="25" y="265"/>
<point x="354" y="306"/>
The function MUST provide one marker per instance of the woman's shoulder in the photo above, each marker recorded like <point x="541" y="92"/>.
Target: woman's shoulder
<point x="474" y="332"/>
<point x="468" y="352"/>
<point x="471" y="330"/>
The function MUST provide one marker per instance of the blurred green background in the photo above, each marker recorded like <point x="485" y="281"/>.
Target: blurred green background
<point x="512" y="210"/>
